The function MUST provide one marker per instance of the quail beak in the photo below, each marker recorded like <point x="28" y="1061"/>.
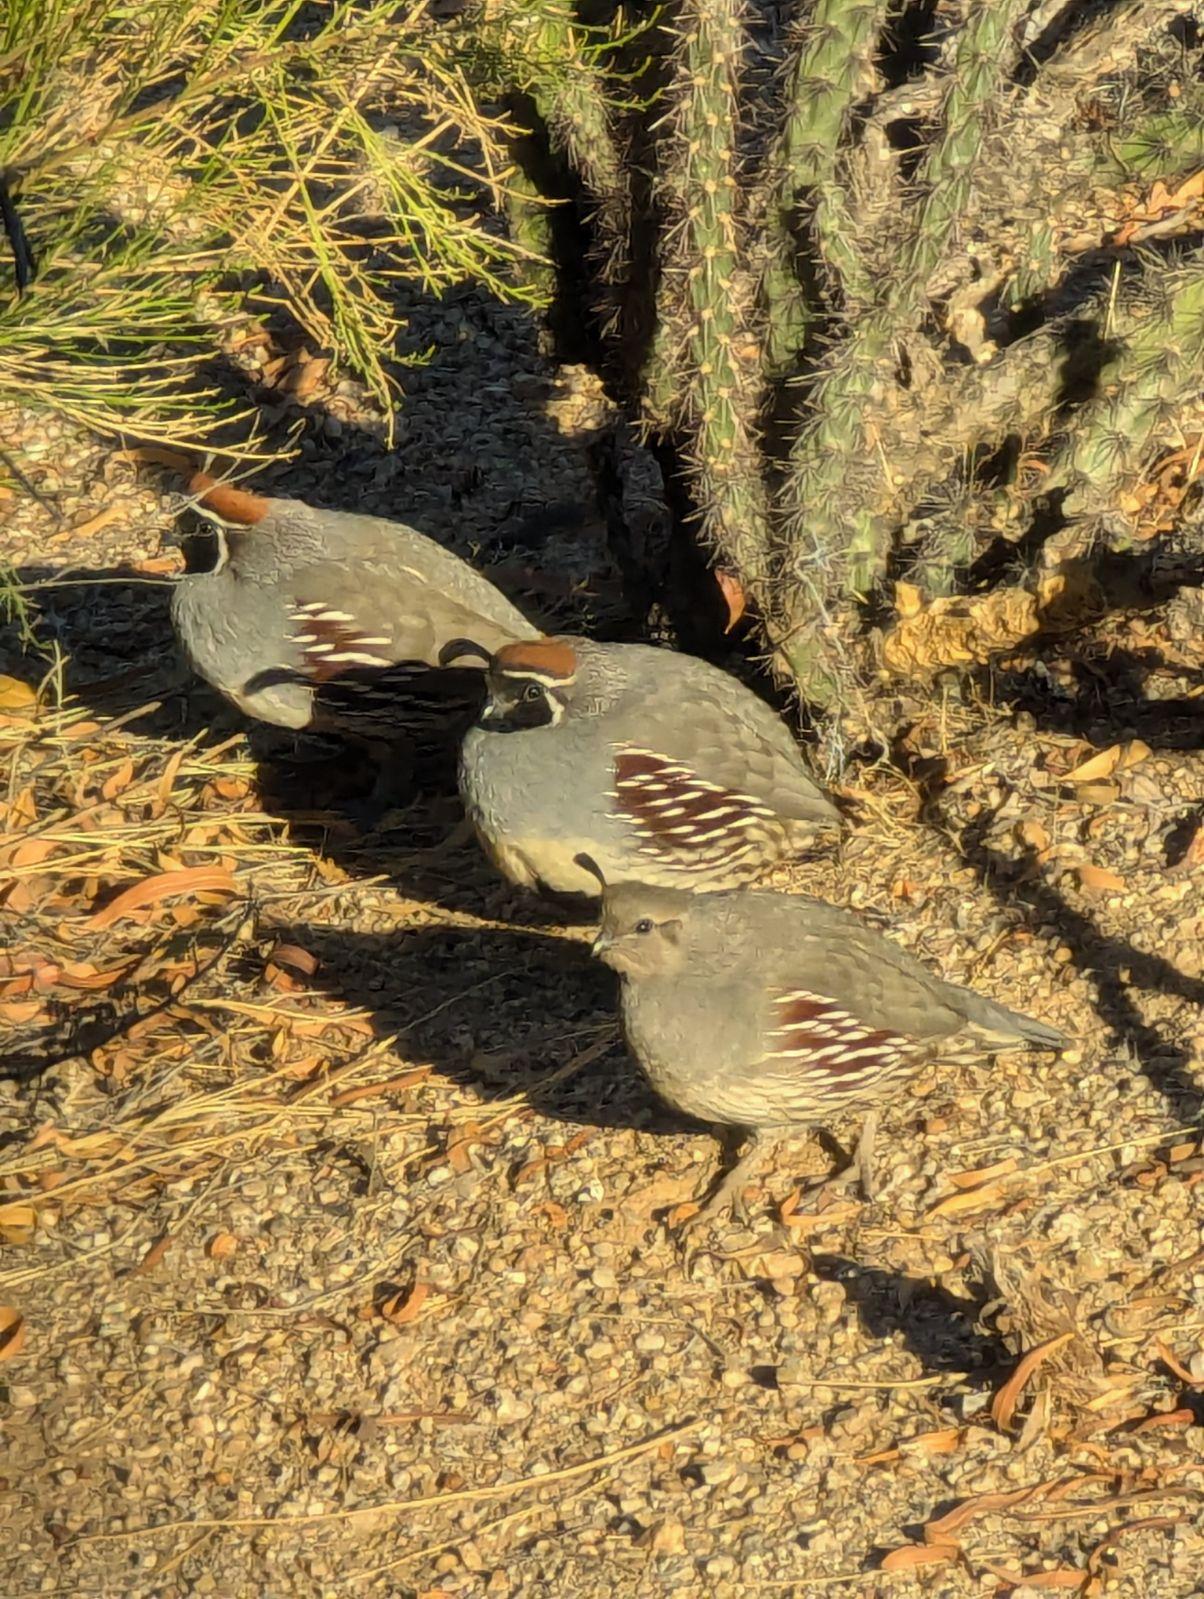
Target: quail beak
<point x="600" y="945"/>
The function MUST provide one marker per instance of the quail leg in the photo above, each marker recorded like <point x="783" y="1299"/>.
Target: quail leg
<point x="726" y="1194"/>
<point x="860" y="1169"/>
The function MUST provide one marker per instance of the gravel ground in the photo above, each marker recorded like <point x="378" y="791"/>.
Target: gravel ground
<point x="340" y="1225"/>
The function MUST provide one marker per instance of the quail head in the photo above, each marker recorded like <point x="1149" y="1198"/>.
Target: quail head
<point x="765" y="1012"/>
<point x="658" y="765"/>
<point x="333" y="621"/>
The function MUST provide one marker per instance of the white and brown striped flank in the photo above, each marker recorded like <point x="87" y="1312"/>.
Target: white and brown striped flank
<point x="679" y="814"/>
<point x="331" y="642"/>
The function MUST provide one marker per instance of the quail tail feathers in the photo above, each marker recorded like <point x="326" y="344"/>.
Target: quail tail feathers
<point x="1002" y="1028"/>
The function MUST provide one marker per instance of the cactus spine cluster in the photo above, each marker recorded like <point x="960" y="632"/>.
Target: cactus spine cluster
<point x="702" y="369"/>
<point x="839" y="356"/>
<point x="833" y="51"/>
<point x="838" y="488"/>
<point x="1161" y="362"/>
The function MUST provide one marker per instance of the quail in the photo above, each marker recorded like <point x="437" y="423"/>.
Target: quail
<point x="658" y="765"/>
<point x="766" y="1012"/>
<point x="333" y="621"/>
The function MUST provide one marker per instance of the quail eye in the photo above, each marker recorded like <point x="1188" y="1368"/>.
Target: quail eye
<point x="644" y="925"/>
<point x="532" y="692"/>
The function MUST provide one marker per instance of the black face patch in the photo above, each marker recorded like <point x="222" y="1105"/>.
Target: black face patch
<point x="517" y="706"/>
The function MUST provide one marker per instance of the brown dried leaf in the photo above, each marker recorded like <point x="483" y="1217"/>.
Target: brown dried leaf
<point x="405" y="1307"/>
<point x="1173" y="1363"/>
<point x="17" y="698"/>
<point x="300" y="960"/>
<point x="1096" y="793"/>
<point x="1056" y="1577"/>
<point x="221" y="1246"/>
<point x="18" y="1222"/>
<point x="667" y="1537"/>
<point x="734" y="597"/>
<point x="20" y="1012"/>
<point x="395" y="1085"/>
<point x="1165" y="1418"/>
<point x="1032" y="835"/>
<point x="1098" y="879"/>
<point x="983" y="1174"/>
<point x="911" y="1556"/>
<point x="1118" y="758"/>
<point x="12" y="1332"/>
<point x="944" y="1441"/>
<point x="305" y="378"/>
<point x="943" y="1528"/>
<point x="118" y="782"/>
<point x="154" y="1255"/>
<point x="192" y="880"/>
<point x="971" y="1199"/>
<point x="1004" y="1406"/>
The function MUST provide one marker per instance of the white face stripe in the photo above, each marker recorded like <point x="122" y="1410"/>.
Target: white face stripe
<point x="546" y="680"/>
<point x="223" y="545"/>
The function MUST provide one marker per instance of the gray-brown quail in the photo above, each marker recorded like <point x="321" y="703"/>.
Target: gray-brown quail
<point x="768" y="1012"/>
<point x="333" y="621"/>
<point x="658" y="765"/>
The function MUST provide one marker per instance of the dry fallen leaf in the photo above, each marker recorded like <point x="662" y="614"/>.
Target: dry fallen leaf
<point x="1032" y="835"/>
<point x="910" y="1556"/>
<point x="1098" y="879"/>
<point x="402" y="1308"/>
<point x="944" y="1441"/>
<point x="12" y="1332"/>
<point x="221" y="1246"/>
<point x="1118" y="758"/>
<point x="298" y="959"/>
<point x="395" y="1085"/>
<point x="1057" y="1577"/>
<point x="17" y="698"/>
<point x="942" y="1529"/>
<point x="666" y="1537"/>
<point x="119" y="781"/>
<point x="154" y="1255"/>
<point x="1003" y="1408"/>
<point x="960" y="629"/>
<point x="733" y="597"/>
<point x="18" y="1222"/>
<point x="968" y="1199"/>
<point x="192" y="880"/>
<point x="983" y="1174"/>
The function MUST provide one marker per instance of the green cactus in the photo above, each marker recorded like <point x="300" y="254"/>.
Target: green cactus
<point x="1164" y="145"/>
<point x="702" y="368"/>
<point x="530" y="227"/>
<point x="833" y="50"/>
<point x="561" y="63"/>
<point x="1158" y="369"/>
<point x="838" y="491"/>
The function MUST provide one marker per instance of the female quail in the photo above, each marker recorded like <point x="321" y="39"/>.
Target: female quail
<point x="333" y="621"/>
<point x="766" y="1012"/>
<point x="659" y="766"/>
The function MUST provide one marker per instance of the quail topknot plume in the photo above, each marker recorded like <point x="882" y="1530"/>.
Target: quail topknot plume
<point x="659" y="766"/>
<point x="333" y="621"/>
<point x="766" y="1012"/>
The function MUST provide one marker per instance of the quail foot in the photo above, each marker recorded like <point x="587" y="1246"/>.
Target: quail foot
<point x="771" y="1012"/>
<point x="334" y="622"/>
<point x="659" y="766"/>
